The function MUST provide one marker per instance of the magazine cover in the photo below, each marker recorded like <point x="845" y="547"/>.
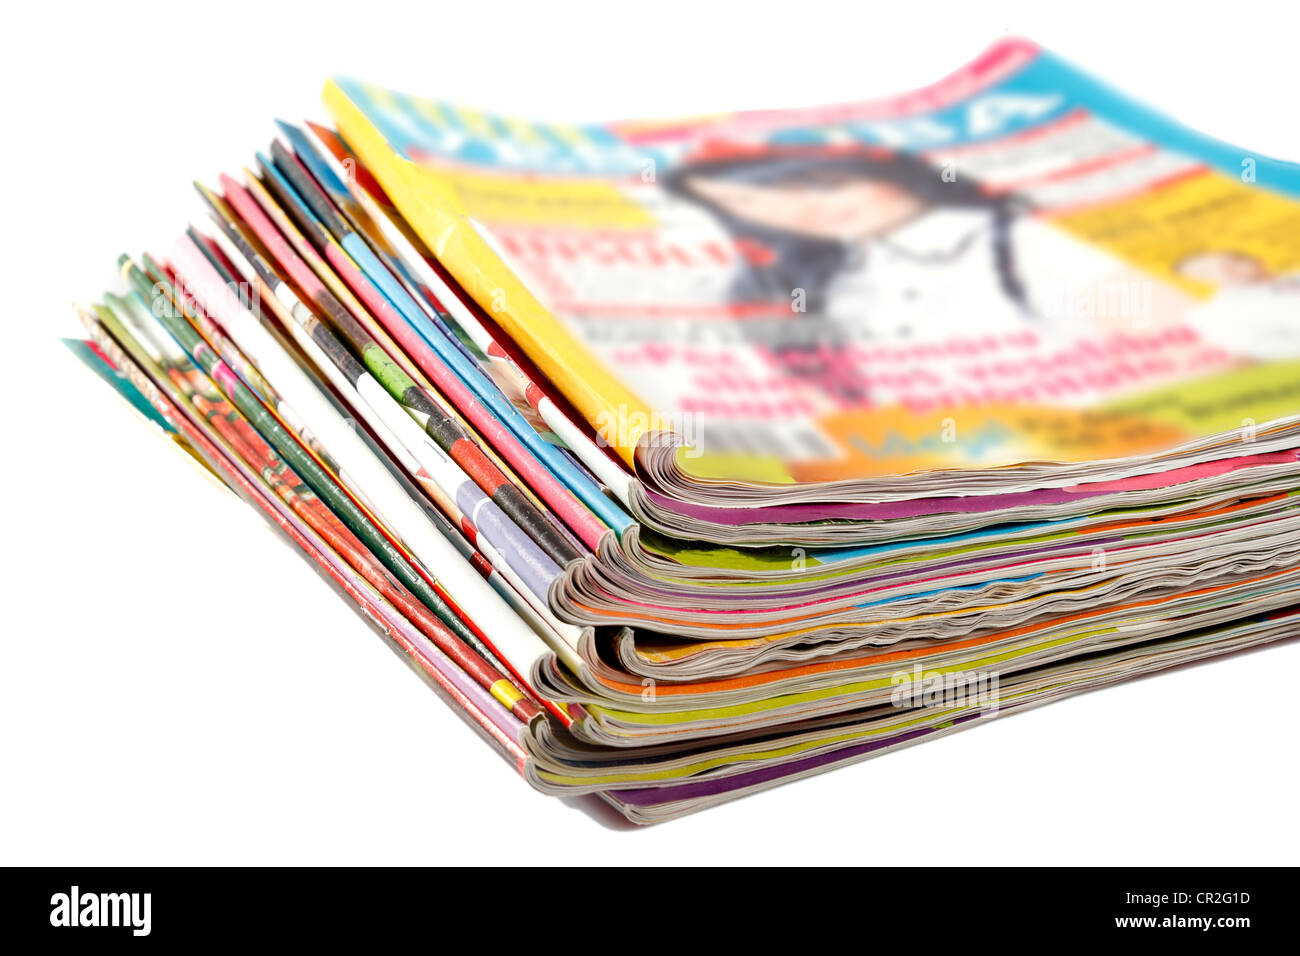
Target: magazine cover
<point x="1012" y="265"/>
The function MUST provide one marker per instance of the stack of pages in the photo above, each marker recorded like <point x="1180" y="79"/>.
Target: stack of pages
<point x="690" y="457"/>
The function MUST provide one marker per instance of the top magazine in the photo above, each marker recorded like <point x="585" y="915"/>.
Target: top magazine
<point x="1011" y="281"/>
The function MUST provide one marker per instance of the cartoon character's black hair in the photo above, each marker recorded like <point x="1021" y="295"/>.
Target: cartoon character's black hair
<point x="805" y="262"/>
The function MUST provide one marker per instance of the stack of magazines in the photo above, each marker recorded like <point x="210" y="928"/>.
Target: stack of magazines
<point x="690" y="457"/>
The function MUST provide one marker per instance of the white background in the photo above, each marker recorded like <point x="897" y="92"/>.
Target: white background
<point x="176" y="686"/>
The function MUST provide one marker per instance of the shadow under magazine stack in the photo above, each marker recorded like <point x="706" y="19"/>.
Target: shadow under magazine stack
<point x="687" y="458"/>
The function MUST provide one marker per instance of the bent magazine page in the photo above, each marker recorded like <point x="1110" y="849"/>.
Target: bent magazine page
<point x="1012" y="280"/>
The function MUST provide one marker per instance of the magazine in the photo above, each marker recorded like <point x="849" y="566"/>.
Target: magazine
<point x="1015" y="273"/>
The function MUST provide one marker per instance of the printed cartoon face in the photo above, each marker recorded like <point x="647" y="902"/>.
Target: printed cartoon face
<point x="1224" y="268"/>
<point x="834" y="206"/>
